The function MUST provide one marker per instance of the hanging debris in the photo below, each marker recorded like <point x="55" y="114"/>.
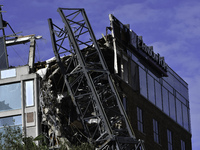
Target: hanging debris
<point x="59" y="117"/>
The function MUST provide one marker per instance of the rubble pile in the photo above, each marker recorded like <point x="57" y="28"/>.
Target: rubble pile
<point x="59" y="117"/>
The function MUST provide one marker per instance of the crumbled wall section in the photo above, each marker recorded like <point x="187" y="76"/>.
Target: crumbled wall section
<point x="59" y="118"/>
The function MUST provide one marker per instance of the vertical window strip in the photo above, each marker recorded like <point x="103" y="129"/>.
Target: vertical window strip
<point x="169" y="140"/>
<point x="140" y="120"/>
<point x="29" y="93"/>
<point x="156" y="131"/>
<point x="182" y="145"/>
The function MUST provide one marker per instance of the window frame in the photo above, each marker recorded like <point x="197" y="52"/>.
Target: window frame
<point x="143" y="82"/>
<point x="169" y="140"/>
<point x="11" y="90"/>
<point x="156" y="133"/>
<point x="27" y="102"/>
<point x="183" y="145"/>
<point x="9" y="73"/>
<point x="15" y="121"/>
<point x="140" y="122"/>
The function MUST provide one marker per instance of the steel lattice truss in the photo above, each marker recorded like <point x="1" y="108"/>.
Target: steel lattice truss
<point x="89" y="83"/>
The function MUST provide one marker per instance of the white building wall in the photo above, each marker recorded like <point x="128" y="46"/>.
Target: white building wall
<point x="29" y="96"/>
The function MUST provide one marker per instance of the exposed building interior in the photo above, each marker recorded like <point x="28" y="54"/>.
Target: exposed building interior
<point x="114" y="93"/>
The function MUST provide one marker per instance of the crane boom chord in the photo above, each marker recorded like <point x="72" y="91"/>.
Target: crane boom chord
<point x="90" y="84"/>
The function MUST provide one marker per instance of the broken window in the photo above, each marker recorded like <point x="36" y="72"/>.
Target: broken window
<point x="10" y="96"/>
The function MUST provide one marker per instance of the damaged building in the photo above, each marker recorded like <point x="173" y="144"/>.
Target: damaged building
<point x="114" y="93"/>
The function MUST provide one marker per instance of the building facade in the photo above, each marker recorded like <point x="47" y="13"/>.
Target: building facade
<point x="156" y="98"/>
<point x="19" y="99"/>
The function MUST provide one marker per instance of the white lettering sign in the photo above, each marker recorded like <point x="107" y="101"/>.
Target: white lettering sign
<point x="149" y="51"/>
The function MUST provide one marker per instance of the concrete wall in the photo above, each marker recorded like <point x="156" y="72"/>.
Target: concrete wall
<point x="30" y="118"/>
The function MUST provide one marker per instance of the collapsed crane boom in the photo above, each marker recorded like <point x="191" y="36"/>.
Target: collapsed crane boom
<point x="90" y="84"/>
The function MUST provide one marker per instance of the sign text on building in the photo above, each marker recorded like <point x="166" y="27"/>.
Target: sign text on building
<point x="149" y="51"/>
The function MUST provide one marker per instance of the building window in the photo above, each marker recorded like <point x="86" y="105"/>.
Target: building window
<point x="10" y="96"/>
<point x="179" y="115"/>
<point x="12" y="121"/>
<point x="156" y="131"/>
<point x="140" y="120"/>
<point x="165" y="96"/>
<point x="186" y="118"/>
<point x="134" y="79"/>
<point x="29" y="93"/>
<point x="8" y="73"/>
<point x="182" y="145"/>
<point x="169" y="140"/>
<point x="158" y="95"/>
<point x="172" y="106"/>
<point x="151" y="89"/>
<point x="124" y="69"/>
<point x="143" y="82"/>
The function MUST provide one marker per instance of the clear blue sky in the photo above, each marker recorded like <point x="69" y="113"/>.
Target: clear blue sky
<point x="172" y="27"/>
